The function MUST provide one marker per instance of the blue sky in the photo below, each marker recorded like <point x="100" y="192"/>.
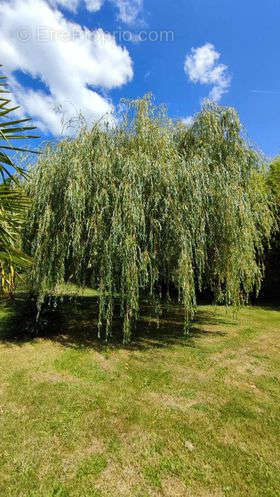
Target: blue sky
<point x="69" y="56"/>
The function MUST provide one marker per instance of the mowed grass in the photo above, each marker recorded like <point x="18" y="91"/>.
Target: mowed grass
<point x="174" y="417"/>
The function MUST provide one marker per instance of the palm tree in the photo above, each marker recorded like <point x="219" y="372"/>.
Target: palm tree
<point x="13" y="207"/>
<point x="13" y="201"/>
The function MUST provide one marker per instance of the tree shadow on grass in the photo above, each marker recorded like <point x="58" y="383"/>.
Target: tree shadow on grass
<point x="73" y="323"/>
<point x="269" y="306"/>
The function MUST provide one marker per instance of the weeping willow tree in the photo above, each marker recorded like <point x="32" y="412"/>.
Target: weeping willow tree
<point x="148" y="207"/>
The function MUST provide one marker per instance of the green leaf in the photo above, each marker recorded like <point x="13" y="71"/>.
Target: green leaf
<point x="13" y="201"/>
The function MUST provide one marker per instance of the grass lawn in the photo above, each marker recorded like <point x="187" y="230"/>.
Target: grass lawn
<point x="195" y="417"/>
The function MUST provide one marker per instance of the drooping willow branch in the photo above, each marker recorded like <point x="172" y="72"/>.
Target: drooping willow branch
<point x="149" y="205"/>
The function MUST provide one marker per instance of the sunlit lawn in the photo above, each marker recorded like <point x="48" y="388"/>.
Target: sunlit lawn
<point x="170" y="417"/>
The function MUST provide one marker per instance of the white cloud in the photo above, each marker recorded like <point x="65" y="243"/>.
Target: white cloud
<point x="69" y="59"/>
<point x="67" y="4"/>
<point x="94" y="5"/>
<point x="201" y="66"/>
<point x="188" y="121"/>
<point x="72" y="5"/>
<point x="128" y="9"/>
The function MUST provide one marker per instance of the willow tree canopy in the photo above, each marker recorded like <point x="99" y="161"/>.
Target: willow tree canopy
<point x="148" y="206"/>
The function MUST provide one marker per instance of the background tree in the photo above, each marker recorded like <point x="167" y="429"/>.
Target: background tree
<point x="273" y="180"/>
<point x="271" y="285"/>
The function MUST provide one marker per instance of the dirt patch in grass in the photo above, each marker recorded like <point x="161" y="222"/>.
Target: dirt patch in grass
<point x="171" y="402"/>
<point x="107" y="363"/>
<point x="75" y="457"/>
<point x="124" y="479"/>
<point x="173" y="487"/>
<point x="52" y="377"/>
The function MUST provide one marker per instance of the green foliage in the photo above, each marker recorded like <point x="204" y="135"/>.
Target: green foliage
<point x="13" y="209"/>
<point x="273" y="179"/>
<point x="150" y="207"/>
<point x="13" y="201"/>
<point x="271" y="285"/>
<point x="10" y="130"/>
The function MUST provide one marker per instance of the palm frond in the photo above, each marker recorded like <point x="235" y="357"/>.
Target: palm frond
<point x="13" y="201"/>
<point x="14" y="129"/>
